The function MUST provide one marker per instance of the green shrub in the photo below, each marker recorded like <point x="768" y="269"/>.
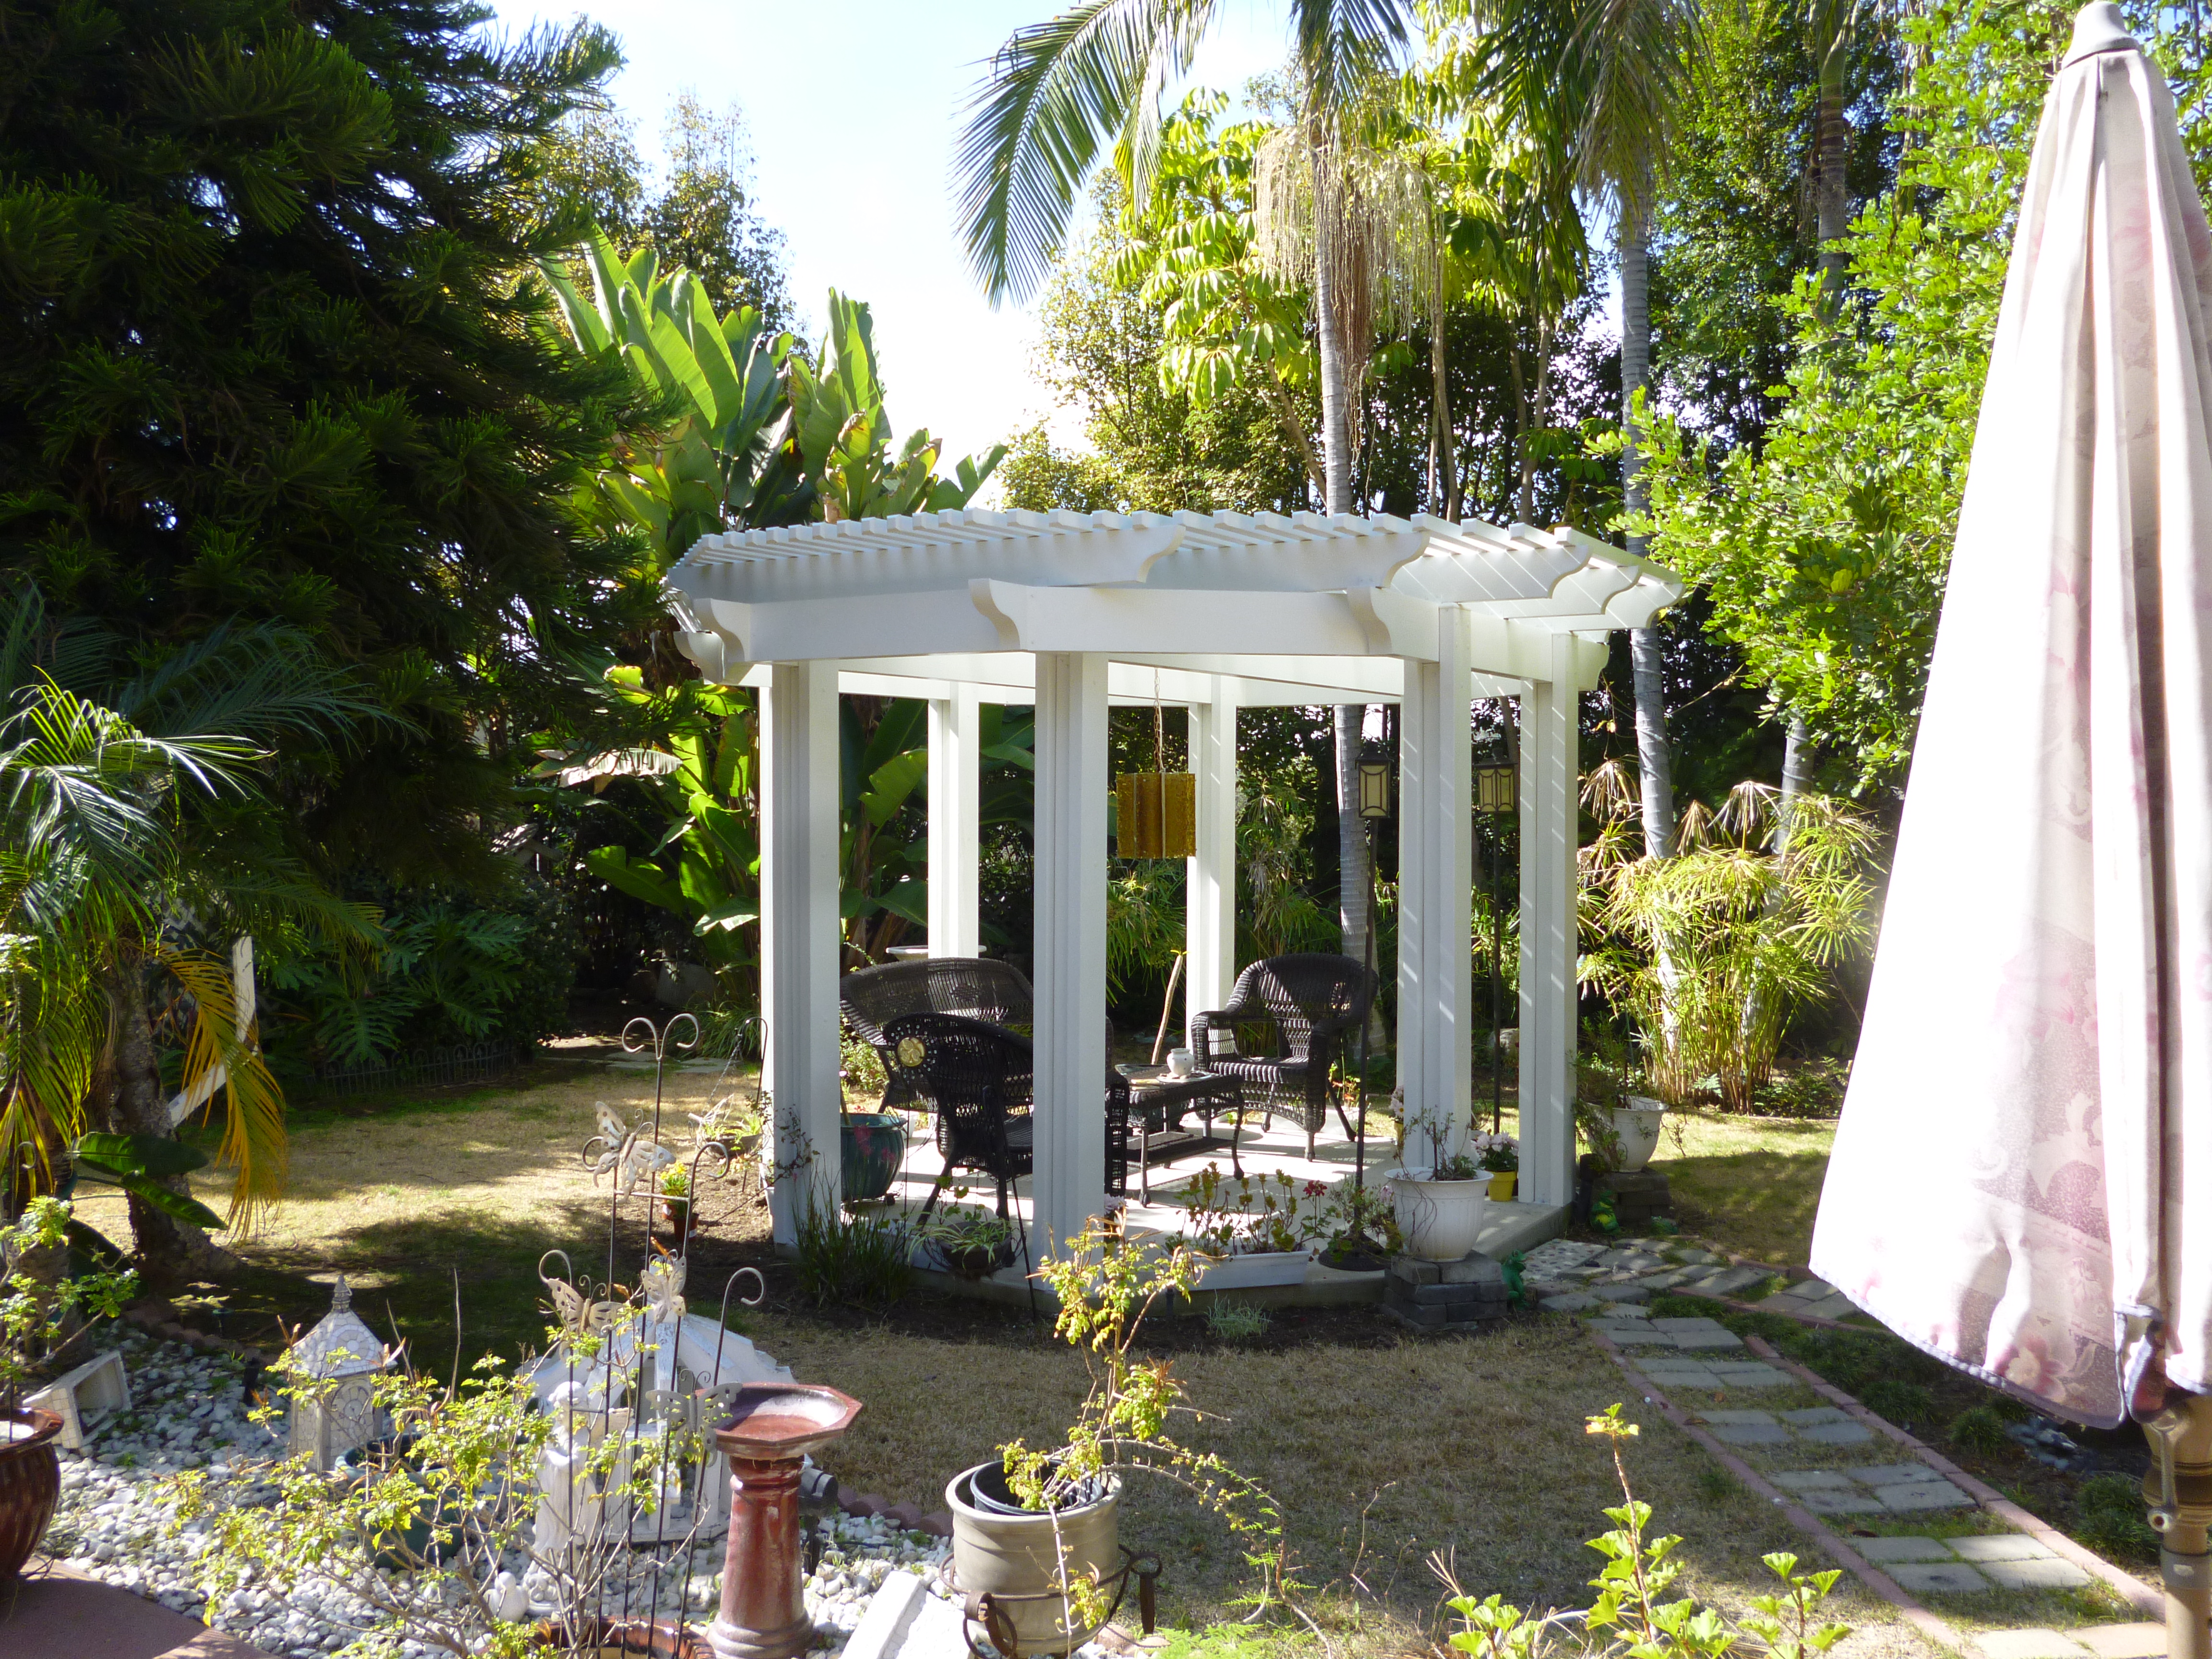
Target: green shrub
<point x="1906" y="1404"/>
<point x="2108" y="1516"/>
<point x="1980" y="1428"/>
<point x="865" y="1263"/>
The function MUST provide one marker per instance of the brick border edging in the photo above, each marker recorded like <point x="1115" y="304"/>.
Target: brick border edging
<point x="2151" y="1602"/>
<point x="1929" y="1624"/>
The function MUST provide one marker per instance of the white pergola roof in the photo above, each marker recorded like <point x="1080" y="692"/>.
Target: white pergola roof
<point x="1301" y="609"/>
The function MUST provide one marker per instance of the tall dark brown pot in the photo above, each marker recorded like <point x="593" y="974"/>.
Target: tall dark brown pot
<point x="30" y="1484"/>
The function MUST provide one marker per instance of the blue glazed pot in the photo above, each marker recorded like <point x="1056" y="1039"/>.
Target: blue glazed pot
<point x="873" y="1147"/>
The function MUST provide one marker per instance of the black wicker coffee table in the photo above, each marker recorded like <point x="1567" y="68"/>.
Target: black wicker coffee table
<point x="1159" y="1101"/>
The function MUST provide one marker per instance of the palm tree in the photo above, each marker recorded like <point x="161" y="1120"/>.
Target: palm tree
<point x="1606" y="80"/>
<point x="1059" y="92"/>
<point x="135" y="825"/>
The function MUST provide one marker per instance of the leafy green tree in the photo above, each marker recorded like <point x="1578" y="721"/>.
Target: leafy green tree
<point x="700" y="216"/>
<point x="1824" y="551"/>
<point x="268" y="361"/>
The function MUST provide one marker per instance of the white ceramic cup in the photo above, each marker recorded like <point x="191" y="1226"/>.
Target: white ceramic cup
<point x="1179" y="1063"/>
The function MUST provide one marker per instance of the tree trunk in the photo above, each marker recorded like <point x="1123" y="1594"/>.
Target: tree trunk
<point x="1539" y="414"/>
<point x="1796" y="776"/>
<point x="1653" y="761"/>
<point x="131" y="1103"/>
<point x="1443" y="488"/>
<point x="1831" y="195"/>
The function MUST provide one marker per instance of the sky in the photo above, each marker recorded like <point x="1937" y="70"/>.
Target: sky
<point x="853" y="109"/>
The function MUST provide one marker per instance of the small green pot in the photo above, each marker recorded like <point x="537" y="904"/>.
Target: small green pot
<point x="873" y="1145"/>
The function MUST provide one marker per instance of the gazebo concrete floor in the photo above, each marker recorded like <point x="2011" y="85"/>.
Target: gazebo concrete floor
<point x="55" y="1613"/>
<point x="1264" y="1153"/>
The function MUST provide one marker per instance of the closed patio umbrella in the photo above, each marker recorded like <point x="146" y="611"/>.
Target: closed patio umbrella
<point x="2022" y="1177"/>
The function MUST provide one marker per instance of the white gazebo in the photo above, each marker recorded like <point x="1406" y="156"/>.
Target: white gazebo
<point x="1070" y="613"/>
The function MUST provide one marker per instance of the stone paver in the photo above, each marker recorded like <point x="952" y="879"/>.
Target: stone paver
<point x="2138" y="1641"/>
<point x="1753" y="1434"/>
<point x="2050" y="1574"/>
<point x="1727" y="1282"/>
<point x="1630" y="1334"/>
<point x="1737" y="1417"/>
<point x="2026" y="1644"/>
<point x="1954" y="1577"/>
<point x="1750" y="1374"/>
<point x="1625" y="1310"/>
<point x="1819" y="1480"/>
<point x="1838" y="1434"/>
<point x="1809" y="1290"/>
<point x="1904" y="1549"/>
<point x="1619" y="1292"/>
<point x="1889" y="1475"/>
<point x="1566" y="1301"/>
<point x="1716" y="1338"/>
<point x="1813" y="1415"/>
<point x="1852" y="1502"/>
<point x="2001" y="1547"/>
<point x="1910" y="1500"/>
<point x="1832" y="1307"/>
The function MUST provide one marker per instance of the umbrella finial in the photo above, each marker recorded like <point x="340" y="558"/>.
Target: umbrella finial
<point x="2098" y="27"/>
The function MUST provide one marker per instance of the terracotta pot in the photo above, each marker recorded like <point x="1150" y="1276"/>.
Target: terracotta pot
<point x="675" y="1216"/>
<point x="1014" y="1555"/>
<point x="30" y="1484"/>
<point x="621" y="1639"/>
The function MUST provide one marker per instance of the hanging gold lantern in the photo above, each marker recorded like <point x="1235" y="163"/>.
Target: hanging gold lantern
<point x="1156" y="812"/>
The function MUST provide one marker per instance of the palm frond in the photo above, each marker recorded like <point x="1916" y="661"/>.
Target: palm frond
<point x="253" y="1130"/>
<point x="1039" y="120"/>
<point x="252" y="685"/>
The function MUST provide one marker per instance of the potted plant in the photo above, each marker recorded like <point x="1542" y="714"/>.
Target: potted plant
<point x="1443" y="1199"/>
<point x="872" y="1147"/>
<point x="1500" y="1155"/>
<point x="1622" y="1128"/>
<point x="1362" y="1231"/>
<point x="972" y="1243"/>
<point x="1038" y="1529"/>
<point x="676" y="1202"/>
<point x="1249" y="1231"/>
<point x="45" y="1310"/>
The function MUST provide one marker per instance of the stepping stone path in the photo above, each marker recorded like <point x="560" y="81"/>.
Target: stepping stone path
<point x="1568" y="1277"/>
<point x="1610" y="1286"/>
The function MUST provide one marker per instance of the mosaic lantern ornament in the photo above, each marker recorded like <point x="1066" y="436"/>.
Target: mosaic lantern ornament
<point x="343" y="1358"/>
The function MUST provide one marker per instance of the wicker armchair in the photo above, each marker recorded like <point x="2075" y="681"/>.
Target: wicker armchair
<point x="982" y="1079"/>
<point x="1311" y="1001"/>
<point x="971" y="986"/>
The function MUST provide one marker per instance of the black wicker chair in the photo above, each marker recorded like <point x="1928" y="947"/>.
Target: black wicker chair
<point x="973" y="987"/>
<point x="982" y="1079"/>
<point x="1311" y="1001"/>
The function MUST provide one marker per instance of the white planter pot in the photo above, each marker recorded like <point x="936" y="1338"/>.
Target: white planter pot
<point x="1441" y="1220"/>
<point x="1636" y="1124"/>
<point x="1244" y="1273"/>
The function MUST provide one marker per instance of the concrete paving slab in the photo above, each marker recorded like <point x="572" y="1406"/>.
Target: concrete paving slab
<point x="1752" y="1434"/>
<point x="1908" y="1500"/>
<point x="55" y="1613"/>
<point x="1750" y="1374"/>
<point x="1727" y="1282"/>
<point x="1566" y="1301"/>
<point x="1904" y="1549"/>
<point x="1782" y="1304"/>
<point x="1679" y="1377"/>
<point x="1814" y="1480"/>
<point x="2026" y="1644"/>
<point x="2146" y="1640"/>
<point x="1953" y="1576"/>
<point x="1838" y="1434"/>
<point x="1891" y="1474"/>
<point x="2001" y="1547"/>
<point x="1629" y="1310"/>
<point x="1832" y="1307"/>
<point x="1839" y="1503"/>
<point x="1807" y="1418"/>
<point x="1712" y="1340"/>
<point x="2052" y="1574"/>
<point x="1737" y="1417"/>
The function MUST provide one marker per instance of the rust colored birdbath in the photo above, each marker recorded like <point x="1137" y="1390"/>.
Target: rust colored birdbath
<point x="771" y="1426"/>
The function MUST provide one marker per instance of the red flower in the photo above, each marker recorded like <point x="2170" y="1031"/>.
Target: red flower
<point x="1316" y="1188"/>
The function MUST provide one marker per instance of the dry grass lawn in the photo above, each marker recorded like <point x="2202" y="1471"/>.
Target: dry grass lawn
<point x="1380" y="1448"/>
<point x="1751" y="1183"/>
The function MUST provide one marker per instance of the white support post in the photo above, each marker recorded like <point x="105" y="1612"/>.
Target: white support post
<point x="1070" y="1183"/>
<point x="955" y="832"/>
<point x="1435" y="838"/>
<point x="1550" y="777"/>
<point x="800" y="933"/>
<point x="1210" y="879"/>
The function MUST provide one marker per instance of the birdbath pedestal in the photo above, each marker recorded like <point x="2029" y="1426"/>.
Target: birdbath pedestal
<point x="771" y="1426"/>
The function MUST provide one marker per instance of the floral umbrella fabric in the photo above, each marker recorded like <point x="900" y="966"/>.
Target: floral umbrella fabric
<point x="2022" y="1177"/>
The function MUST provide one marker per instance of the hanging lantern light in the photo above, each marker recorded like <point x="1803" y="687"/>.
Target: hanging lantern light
<point x="1156" y="812"/>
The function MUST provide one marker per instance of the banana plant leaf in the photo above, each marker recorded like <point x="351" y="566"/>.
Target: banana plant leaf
<point x="137" y="1163"/>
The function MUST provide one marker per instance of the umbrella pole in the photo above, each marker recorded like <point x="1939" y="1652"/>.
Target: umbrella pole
<point x="2179" y="1490"/>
